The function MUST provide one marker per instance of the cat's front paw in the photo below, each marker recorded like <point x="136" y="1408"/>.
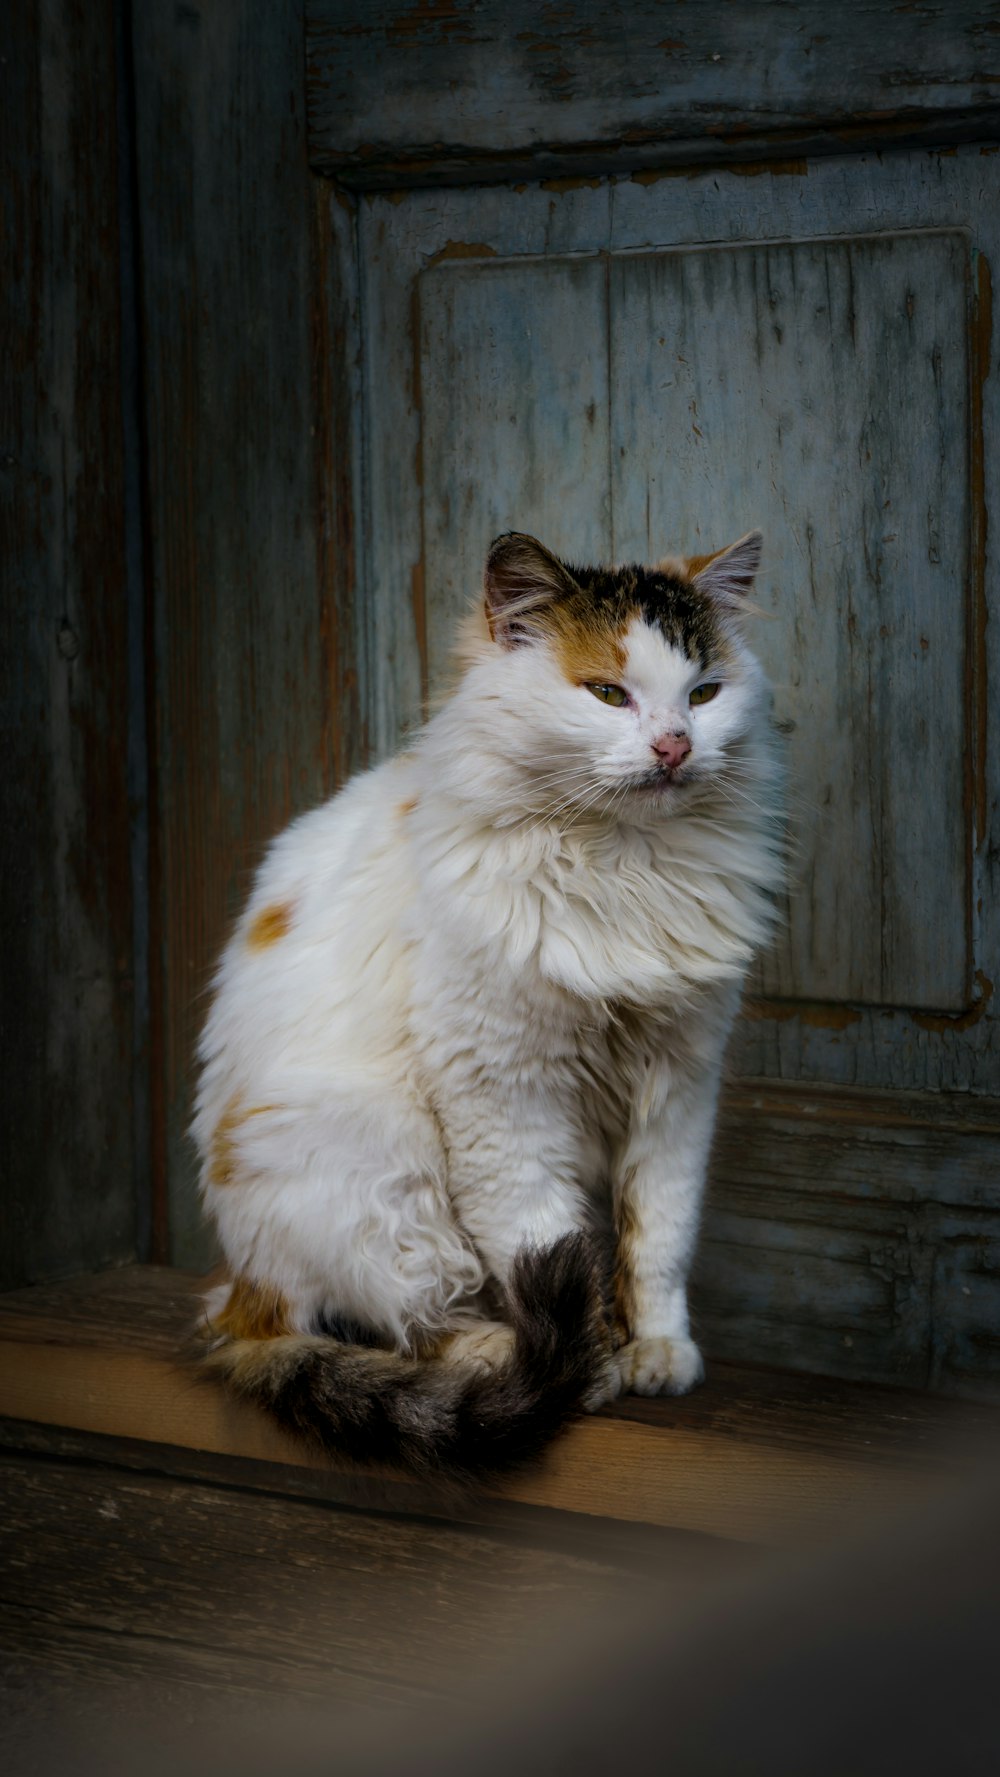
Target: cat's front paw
<point x="660" y="1366"/>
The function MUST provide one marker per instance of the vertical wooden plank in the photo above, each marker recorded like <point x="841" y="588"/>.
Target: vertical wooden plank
<point x="514" y="389"/>
<point x="403" y="244"/>
<point x="787" y="381"/>
<point x="66" y="920"/>
<point x="250" y="574"/>
<point x="338" y="473"/>
<point x="139" y="669"/>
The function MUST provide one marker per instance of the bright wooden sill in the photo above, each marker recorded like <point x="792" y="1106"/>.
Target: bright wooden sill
<point x="757" y="1455"/>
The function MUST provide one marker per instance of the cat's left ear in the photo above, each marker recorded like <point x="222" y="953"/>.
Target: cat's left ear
<point x="728" y="576"/>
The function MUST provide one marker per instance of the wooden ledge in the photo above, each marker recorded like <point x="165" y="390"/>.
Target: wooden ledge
<point x="756" y="1455"/>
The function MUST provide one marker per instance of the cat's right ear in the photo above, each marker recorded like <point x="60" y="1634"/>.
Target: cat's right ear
<point x="728" y="575"/>
<point x="522" y="578"/>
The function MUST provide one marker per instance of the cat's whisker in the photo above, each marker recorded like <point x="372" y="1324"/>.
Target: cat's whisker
<point x="574" y="773"/>
<point x="580" y="792"/>
<point x="741" y="799"/>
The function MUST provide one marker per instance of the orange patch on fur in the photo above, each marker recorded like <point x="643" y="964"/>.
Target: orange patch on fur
<point x="408" y="806"/>
<point x="222" y="1164"/>
<point x="526" y="583"/>
<point x="270" y="924"/>
<point x="253" y="1311"/>
<point x="695" y="563"/>
<point x="588" y="653"/>
<point x="221" y="1156"/>
<point x="588" y="645"/>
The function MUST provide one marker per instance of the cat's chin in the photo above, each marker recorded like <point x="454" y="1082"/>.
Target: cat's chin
<point x="660" y="788"/>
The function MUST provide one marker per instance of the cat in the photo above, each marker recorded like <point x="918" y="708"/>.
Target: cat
<point x="475" y="1011"/>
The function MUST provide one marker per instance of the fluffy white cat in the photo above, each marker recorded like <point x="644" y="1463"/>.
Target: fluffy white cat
<point x="476" y="1009"/>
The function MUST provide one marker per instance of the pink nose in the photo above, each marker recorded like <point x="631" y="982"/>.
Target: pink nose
<point x="673" y="749"/>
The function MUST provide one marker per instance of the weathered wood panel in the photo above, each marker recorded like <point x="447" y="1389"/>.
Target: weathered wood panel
<point x="777" y="386"/>
<point x="68" y="1164"/>
<point x="915" y="1618"/>
<point x="857" y="1046"/>
<point x="772" y="386"/>
<point x="249" y="378"/>
<point x="863" y="1244"/>
<point x="515" y="420"/>
<point x="108" y="1573"/>
<point x="936" y="855"/>
<point x="502" y="88"/>
<point x="405" y="490"/>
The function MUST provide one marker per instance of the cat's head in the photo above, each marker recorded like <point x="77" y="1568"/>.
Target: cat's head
<point x="629" y="685"/>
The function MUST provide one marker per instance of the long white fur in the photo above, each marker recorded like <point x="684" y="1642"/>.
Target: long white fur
<point x="505" y="991"/>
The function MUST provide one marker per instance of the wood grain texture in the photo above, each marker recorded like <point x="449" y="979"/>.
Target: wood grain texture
<point x="247" y="332"/>
<point x="68" y="1166"/>
<point x="859" y="1046"/>
<point x="400" y="90"/>
<point x="755" y="1456"/>
<point x="777" y="386"/>
<point x="405" y="488"/>
<point x="515" y="418"/>
<point x="145" y="1576"/>
<point x="123" y="1658"/>
<point x="855" y="1234"/>
<point x="626" y="1547"/>
<point x="216" y="1612"/>
<point x="734" y="378"/>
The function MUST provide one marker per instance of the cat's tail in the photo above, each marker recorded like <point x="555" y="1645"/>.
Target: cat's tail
<point x="430" y="1417"/>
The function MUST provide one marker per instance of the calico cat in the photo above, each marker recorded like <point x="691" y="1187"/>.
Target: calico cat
<point x="476" y="1009"/>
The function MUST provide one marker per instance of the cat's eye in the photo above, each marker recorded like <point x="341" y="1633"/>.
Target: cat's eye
<point x="609" y="694"/>
<point x="704" y="693"/>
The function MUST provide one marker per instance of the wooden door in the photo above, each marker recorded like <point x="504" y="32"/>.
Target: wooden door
<point x="634" y="278"/>
<point x="637" y="361"/>
<point x="651" y="365"/>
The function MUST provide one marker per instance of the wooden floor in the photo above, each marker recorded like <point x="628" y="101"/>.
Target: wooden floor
<point x="140" y="1605"/>
<point x="176" y="1555"/>
<point x="755" y="1455"/>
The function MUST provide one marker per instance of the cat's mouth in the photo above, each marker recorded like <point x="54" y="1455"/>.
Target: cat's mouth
<point x="660" y="780"/>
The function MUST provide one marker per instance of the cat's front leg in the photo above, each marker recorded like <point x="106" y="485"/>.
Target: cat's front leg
<point x="658" y="1190"/>
<point x="515" y="1167"/>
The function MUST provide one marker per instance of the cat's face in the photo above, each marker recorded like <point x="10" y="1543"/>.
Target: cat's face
<point x="625" y="687"/>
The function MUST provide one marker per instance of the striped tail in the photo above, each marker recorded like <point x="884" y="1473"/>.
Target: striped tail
<point x="431" y="1418"/>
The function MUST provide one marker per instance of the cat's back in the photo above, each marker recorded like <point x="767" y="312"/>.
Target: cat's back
<point x="300" y="978"/>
